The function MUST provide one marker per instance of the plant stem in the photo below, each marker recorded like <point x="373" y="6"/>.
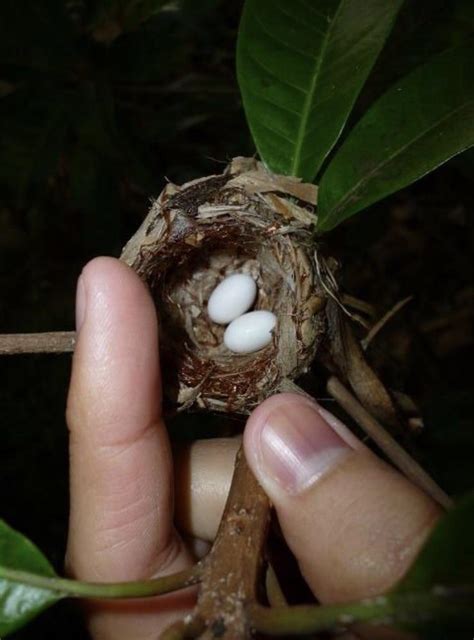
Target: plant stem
<point x="76" y="589"/>
<point x="446" y="605"/>
<point x="47" y="342"/>
<point x="396" y="453"/>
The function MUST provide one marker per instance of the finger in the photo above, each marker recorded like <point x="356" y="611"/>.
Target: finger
<point x="203" y="475"/>
<point x="352" y="521"/>
<point x="120" y="463"/>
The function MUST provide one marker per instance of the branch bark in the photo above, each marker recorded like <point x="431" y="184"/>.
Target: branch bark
<point x="231" y="572"/>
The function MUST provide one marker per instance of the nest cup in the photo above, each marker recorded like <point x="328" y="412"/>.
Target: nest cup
<point x="246" y="220"/>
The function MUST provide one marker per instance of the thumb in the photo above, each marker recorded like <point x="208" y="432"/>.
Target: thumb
<point x="353" y="523"/>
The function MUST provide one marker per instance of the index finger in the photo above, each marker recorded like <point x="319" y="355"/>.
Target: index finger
<point x="120" y="463"/>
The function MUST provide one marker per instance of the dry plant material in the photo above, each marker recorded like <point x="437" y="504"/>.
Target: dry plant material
<point x="246" y="220"/>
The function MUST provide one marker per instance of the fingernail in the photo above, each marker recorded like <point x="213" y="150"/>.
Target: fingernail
<point x="298" y="446"/>
<point x="80" y="303"/>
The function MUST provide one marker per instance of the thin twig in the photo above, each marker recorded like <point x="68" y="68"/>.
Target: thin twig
<point x="410" y="411"/>
<point x="397" y="454"/>
<point x="357" y="303"/>
<point x="275" y="594"/>
<point x="105" y="590"/>
<point x="47" y="342"/>
<point x="383" y="321"/>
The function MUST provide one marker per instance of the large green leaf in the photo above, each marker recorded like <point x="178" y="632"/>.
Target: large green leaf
<point x="19" y="603"/>
<point x="447" y="559"/>
<point x="422" y="121"/>
<point x="300" y="67"/>
<point x="444" y="573"/>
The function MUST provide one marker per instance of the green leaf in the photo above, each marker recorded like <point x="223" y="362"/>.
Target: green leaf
<point x="19" y="603"/>
<point x="447" y="559"/>
<point x="418" y="124"/>
<point x="300" y="67"/>
<point x="442" y="576"/>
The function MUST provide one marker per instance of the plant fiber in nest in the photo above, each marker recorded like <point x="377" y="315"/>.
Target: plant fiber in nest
<point x="246" y="220"/>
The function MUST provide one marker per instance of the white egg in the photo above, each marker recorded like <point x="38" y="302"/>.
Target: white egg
<point x="231" y="298"/>
<point x="250" y="332"/>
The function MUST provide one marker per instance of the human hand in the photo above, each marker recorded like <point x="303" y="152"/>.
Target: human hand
<point x="353" y="523"/>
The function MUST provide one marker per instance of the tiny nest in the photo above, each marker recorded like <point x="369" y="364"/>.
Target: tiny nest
<point x="247" y="220"/>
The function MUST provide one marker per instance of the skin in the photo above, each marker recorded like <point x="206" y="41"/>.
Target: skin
<point x="354" y="529"/>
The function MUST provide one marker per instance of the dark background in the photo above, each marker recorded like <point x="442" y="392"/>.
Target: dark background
<point x="96" y="109"/>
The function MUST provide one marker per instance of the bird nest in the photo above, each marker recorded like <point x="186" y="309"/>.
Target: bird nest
<point x="247" y="220"/>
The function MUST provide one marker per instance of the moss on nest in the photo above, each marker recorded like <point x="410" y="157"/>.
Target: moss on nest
<point x="245" y="220"/>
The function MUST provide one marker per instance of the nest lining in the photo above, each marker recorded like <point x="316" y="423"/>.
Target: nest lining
<point x="247" y="220"/>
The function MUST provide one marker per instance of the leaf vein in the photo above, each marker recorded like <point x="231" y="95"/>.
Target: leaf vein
<point x="274" y="104"/>
<point x="272" y="74"/>
<point x="310" y="95"/>
<point x="277" y="133"/>
<point x="313" y="10"/>
<point x="306" y="25"/>
<point x="279" y="41"/>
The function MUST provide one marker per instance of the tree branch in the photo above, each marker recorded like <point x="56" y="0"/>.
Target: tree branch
<point x="231" y="571"/>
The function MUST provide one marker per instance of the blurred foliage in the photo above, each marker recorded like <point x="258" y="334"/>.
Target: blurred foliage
<point x="100" y="101"/>
<point x="96" y="104"/>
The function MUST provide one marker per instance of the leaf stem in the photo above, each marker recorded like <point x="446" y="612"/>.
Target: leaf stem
<point x="76" y="589"/>
<point x="439" y="604"/>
